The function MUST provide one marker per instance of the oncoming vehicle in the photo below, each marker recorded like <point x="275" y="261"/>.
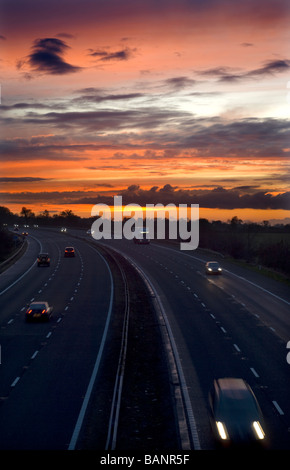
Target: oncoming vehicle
<point x="43" y="259"/>
<point x="69" y="252"/>
<point x="236" y="417"/>
<point x="38" y="310"/>
<point x="142" y="238"/>
<point x="213" y="267"/>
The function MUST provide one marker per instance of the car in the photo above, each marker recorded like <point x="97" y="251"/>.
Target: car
<point x="43" y="259"/>
<point x="213" y="267"/>
<point x="63" y="229"/>
<point x="69" y="252"/>
<point x="25" y="234"/>
<point x="142" y="238"/>
<point x="235" y="414"/>
<point x="38" y="310"/>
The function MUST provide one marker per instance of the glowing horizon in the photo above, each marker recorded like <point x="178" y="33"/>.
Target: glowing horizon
<point x="99" y="98"/>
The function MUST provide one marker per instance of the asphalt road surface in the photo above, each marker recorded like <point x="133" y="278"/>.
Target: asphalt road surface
<point x="46" y="367"/>
<point x="234" y="325"/>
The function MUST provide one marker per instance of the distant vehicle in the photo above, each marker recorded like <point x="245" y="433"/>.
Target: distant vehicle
<point x="63" y="229"/>
<point x="142" y="238"/>
<point x="39" y="310"/>
<point x="213" y="267"/>
<point x="69" y="252"/>
<point x="25" y="234"/>
<point x="43" y="259"/>
<point x="236" y="417"/>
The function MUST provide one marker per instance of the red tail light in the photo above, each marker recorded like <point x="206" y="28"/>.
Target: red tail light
<point x="43" y="311"/>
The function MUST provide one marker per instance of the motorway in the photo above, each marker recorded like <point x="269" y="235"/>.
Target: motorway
<point x="233" y="325"/>
<point x="236" y="325"/>
<point x="46" y="367"/>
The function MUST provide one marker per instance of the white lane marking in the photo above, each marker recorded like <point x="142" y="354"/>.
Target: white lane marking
<point x="96" y="366"/>
<point x="15" y="382"/>
<point x="230" y="272"/>
<point x="223" y="330"/>
<point x="34" y="355"/>
<point x="280" y="411"/>
<point x="237" y="347"/>
<point x="48" y="334"/>
<point x="254" y="372"/>
<point x="10" y="321"/>
<point x="24" y="274"/>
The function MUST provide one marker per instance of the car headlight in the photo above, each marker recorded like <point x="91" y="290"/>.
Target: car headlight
<point x="258" y="430"/>
<point x="209" y="269"/>
<point x="222" y="430"/>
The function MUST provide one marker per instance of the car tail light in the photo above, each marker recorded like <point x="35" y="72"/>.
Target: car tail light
<point x="43" y="311"/>
<point x="29" y="311"/>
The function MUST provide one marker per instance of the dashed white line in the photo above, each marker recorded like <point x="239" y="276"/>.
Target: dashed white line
<point x="34" y="355"/>
<point x="254" y="372"/>
<point x="237" y="348"/>
<point x="223" y="330"/>
<point x="280" y="411"/>
<point x="48" y="334"/>
<point x="15" y="382"/>
<point x="10" y="321"/>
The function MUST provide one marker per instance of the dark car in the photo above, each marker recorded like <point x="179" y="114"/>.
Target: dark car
<point x="213" y="267"/>
<point x="235" y="415"/>
<point x="69" y="251"/>
<point x="142" y="238"/>
<point x="43" y="259"/>
<point x="39" y="310"/>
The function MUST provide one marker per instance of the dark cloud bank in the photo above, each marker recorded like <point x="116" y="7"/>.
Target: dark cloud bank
<point x="217" y="198"/>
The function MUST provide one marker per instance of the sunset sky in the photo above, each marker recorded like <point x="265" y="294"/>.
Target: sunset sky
<point x="160" y="101"/>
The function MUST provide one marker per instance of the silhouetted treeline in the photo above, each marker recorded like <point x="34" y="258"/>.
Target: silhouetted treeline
<point x="261" y="244"/>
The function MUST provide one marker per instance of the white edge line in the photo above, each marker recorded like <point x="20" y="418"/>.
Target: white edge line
<point x="24" y="274"/>
<point x="184" y="388"/>
<point x="230" y="272"/>
<point x="81" y="416"/>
